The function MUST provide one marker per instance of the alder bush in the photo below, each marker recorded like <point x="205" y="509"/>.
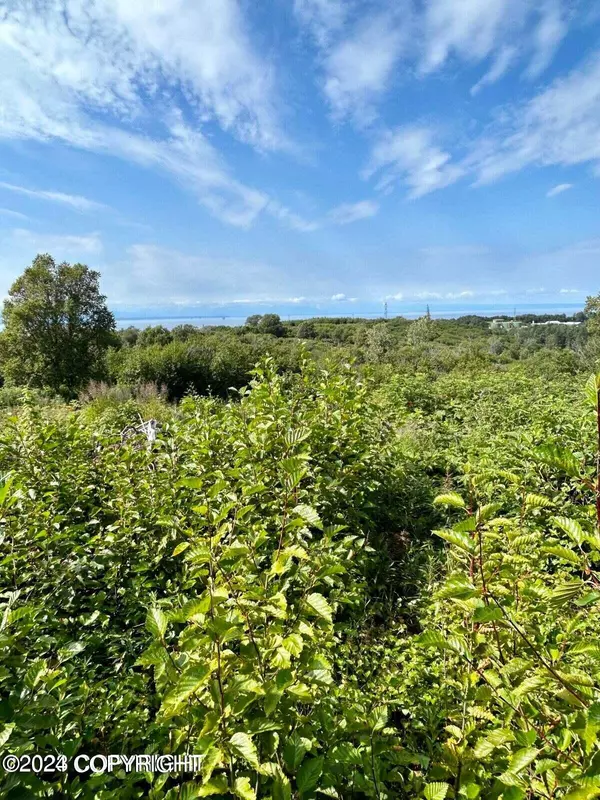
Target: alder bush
<point x="274" y="585"/>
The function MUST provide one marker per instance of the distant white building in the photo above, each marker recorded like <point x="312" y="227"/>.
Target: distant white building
<point x="555" y="322"/>
<point x="505" y="324"/>
<point x="510" y="324"/>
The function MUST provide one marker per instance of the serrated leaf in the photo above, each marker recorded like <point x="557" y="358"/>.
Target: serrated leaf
<point x="309" y="515"/>
<point x="243" y="789"/>
<point x="521" y="759"/>
<point x="591" y="390"/>
<point x="436" y="791"/>
<point x="537" y="501"/>
<point x="458" y="539"/>
<point x="156" y="622"/>
<point x="451" y="499"/>
<point x="562" y="552"/>
<point x="319" y="605"/>
<point x="571" y="527"/>
<point x="5" y="732"/>
<point x="588" y="599"/>
<point x="487" y="614"/>
<point x="192" y="679"/>
<point x="433" y="639"/>
<point x="309" y="774"/>
<point x="294" y="751"/>
<point x="243" y="747"/>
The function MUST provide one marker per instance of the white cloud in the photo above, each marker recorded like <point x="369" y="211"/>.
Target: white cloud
<point x="397" y="296"/>
<point x="151" y="273"/>
<point x="559" y="189"/>
<point x="460" y="295"/>
<point x="75" y="201"/>
<point x="339" y="297"/>
<point x="499" y="29"/>
<point x="294" y="221"/>
<point x="570" y="291"/>
<point x="358" y="68"/>
<point x="559" y="126"/>
<point x="322" y="17"/>
<point x="94" y="74"/>
<point x="410" y="154"/>
<point x="344" y="214"/>
<point x="8" y="212"/>
<point x="499" y="67"/>
<point x="62" y="246"/>
<point x="109" y="53"/>
<point x="352" y="212"/>
<point x="549" y="33"/>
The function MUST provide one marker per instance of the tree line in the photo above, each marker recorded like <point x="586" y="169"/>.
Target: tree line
<point x="59" y="335"/>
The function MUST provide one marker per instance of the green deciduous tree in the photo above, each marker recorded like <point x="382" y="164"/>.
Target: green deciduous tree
<point x="271" y="323"/>
<point x="56" y="326"/>
<point x="592" y="312"/>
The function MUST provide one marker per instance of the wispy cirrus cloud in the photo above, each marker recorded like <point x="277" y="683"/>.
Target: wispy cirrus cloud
<point x="113" y="53"/>
<point x="92" y="74"/>
<point x="474" y="31"/>
<point x="559" y="189"/>
<point x="323" y="18"/>
<point x="74" y="201"/>
<point x="8" y="212"/>
<point x="63" y="245"/>
<point x="347" y="213"/>
<point x="410" y="154"/>
<point x="358" y="68"/>
<point x="559" y="126"/>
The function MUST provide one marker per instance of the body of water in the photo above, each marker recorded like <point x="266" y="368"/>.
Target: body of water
<point x="411" y="311"/>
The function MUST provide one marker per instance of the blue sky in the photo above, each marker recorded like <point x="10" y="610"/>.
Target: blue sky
<point x="304" y="153"/>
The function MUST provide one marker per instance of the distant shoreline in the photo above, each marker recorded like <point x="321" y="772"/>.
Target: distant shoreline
<point x="145" y="319"/>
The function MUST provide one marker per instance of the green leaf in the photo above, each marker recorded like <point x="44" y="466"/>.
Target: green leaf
<point x="5" y="732"/>
<point x="436" y="791"/>
<point x="571" y="527"/>
<point x="156" y="622"/>
<point x="460" y="540"/>
<point x="190" y="681"/>
<point x="521" y="759"/>
<point x="433" y="639"/>
<point x="487" y="614"/>
<point x="294" y="751"/>
<point x="35" y="673"/>
<point x="565" y="592"/>
<point x="588" y="599"/>
<point x="309" y="515"/>
<point x="537" y="501"/>
<point x="243" y="789"/>
<point x="452" y="499"/>
<point x="180" y="548"/>
<point x="562" y="552"/>
<point x="319" y="605"/>
<point x="243" y="747"/>
<point x="216" y="785"/>
<point x="591" y="390"/>
<point x="70" y="650"/>
<point x="309" y="774"/>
